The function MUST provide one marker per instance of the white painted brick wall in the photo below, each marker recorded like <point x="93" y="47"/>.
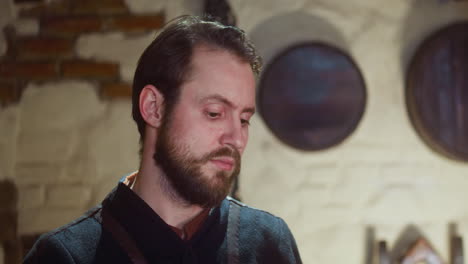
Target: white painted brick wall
<point x="382" y="175"/>
<point x="90" y="46"/>
<point x="38" y="173"/>
<point x="8" y="136"/>
<point x="32" y="196"/>
<point x="71" y="149"/>
<point x="67" y="148"/>
<point x="26" y="26"/>
<point x="59" y="106"/>
<point x="41" y="147"/>
<point x="68" y="196"/>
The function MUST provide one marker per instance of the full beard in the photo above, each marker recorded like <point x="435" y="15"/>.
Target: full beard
<point x="184" y="172"/>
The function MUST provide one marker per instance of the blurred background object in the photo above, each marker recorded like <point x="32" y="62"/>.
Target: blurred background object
<point x="10" y="242"/>
<point x="412" y="247"/>
<point x="437" y="91"/>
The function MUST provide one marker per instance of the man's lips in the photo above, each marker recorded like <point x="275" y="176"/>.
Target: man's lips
<point x="224" y="163"/>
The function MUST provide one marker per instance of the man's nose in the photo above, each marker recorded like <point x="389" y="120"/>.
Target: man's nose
<point x="233" y="135"/>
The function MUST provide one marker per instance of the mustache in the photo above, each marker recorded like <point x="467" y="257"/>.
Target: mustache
<point x="222" y="152"/>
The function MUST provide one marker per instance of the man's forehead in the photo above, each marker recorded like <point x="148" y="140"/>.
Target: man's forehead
<point x="218" y="75"/>
<point x="202" y="58"/>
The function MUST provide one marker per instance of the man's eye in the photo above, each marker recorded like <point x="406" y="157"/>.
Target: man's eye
<point x="245" y="122"/>
<point x="213" y="114"/>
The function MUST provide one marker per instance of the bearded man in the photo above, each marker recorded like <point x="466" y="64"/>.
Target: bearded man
<point x="193" y="97"/>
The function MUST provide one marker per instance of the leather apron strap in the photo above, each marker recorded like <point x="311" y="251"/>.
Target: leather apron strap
<point x="136" y="256"/>
<point x="122" y="237"/>
<point x="233" y="233"/>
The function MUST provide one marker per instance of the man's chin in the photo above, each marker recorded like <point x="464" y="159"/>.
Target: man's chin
<point x="216" y="192"/>
<point x="216" y="178"/>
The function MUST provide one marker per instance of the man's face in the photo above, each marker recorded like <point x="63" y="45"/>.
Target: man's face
<point x="200" y="144"/>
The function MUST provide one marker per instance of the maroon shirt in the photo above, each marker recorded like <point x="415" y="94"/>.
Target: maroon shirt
<point x="191" y="227"/>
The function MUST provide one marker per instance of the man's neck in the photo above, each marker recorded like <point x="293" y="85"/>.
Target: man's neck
<point x="152" y="186"/>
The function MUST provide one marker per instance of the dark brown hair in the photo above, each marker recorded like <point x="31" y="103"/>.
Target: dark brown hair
<point x="165" y="63"/>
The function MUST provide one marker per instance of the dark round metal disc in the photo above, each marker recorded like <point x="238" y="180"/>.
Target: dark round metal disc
<point x="437" y="91"/>
<point x="312" y="96"/>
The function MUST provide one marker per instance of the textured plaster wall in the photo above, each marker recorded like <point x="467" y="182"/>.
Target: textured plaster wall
<point x="75" y="144"/>
<point x="383" y="175"/>
<point x="63" y="145"/>
<point x="9" y="115"/>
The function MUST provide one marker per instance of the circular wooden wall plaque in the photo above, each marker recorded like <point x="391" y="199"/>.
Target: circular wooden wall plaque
<point x="312" y="96"/>
<point x="437" y="91"/>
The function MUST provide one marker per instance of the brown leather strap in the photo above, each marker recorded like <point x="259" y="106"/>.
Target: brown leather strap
<point x="122" y="237"/>
<point x="233" y="232"/>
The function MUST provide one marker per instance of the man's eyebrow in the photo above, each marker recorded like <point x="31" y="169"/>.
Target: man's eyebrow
<point x="224" y="100"/>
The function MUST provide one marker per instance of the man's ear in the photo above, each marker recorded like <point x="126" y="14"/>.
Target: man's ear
<point x="151" y="105"/>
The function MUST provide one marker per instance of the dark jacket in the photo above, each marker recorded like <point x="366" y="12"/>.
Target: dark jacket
<point x="260" y="236"/>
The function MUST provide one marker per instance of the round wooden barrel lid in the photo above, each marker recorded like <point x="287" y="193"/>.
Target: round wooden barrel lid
<point x="312" y="96"/>
<point x="437" y="91"/>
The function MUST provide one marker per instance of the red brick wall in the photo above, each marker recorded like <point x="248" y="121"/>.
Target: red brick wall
<point x="50" y="55"/>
